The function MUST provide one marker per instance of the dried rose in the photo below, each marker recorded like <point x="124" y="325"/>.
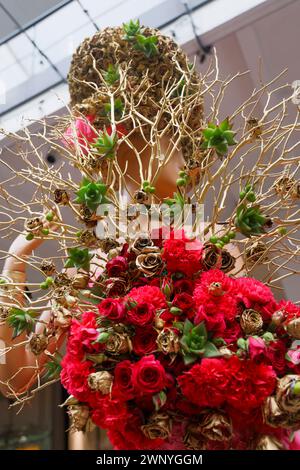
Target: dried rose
<point x="118" y="344"/>
<point x="193" y="440"/>
<point x="149" y="261"/>
<point x="117" y="286"/>
<point x="216" y="426"/>
<point x="251" y="322"/>
<point x="108" y="244"/>
<point x="159" y="426"/>
<point x="100" y="381"/>
<point x="62" y="317"/>
<point x="288" y="393"/>
<point x="211" y="256"/>
<point x="168" y="341"/>
<point x="140" y="243"/>
<point x="268" y="443"/>
<point x="79" y="418"/>
<point x="38" y="343"/>
<point x="87" y="216"/>
<point x="48" y="267"/>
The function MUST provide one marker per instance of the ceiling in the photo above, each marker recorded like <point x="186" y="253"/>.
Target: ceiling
<point x="25" y="13"/>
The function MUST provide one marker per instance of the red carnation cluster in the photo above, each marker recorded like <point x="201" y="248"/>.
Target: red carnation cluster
<point x="186" y="358"/>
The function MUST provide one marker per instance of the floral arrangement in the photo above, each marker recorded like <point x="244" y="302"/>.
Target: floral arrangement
<point x="189" y="357"/>
<point x="172" y="341"/>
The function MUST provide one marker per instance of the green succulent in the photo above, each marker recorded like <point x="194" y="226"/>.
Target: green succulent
<point x="91" y="194"/>
<point x="131" y="29"/>
<point x="218" y="137"/>
<point x="195" y="344"/>
<point x="146" y="44"/>
<point x="250" y="220"/>
<point x="21" y="321"/>
<point x="118" y="108"/>
<point x="78" y="258"/>
<point x="112" y="74"/>
<point x="105" y="144"/>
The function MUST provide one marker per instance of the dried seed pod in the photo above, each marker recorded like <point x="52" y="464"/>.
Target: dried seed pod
<point x="293" y="328"/>
<point x="80" y="281"/>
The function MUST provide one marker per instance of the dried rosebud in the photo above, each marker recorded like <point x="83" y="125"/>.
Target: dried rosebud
<point x="149" y="261"/>
<point x="80" y="281"/>
<point x="256" y="252"/>
<point x="113" y="253"/>
<point x="278" y="317"/>
<point x="61" y="197"/>
<point x="288" y="393"/>
<point x="108" y="244"/>
<point x="118" y="344"/>
<point x="268" y="443"/>
<point x="79" y="418"/>
<point x="215" y="426"/>
<point x="38" y="343"/>
<point x="62" y="280"/>
<point x="100" y="381"/>
<point x="140" y="243"/>
<point x="216" y="289"/>
<point x="251" y="322"/>
<point x="48" y="267"/>
<point x="87" y="238"/>
<point x="87" y="216"/>
<point x="62" y="317"/>
<point x="159" y="426"/>
<point x="159" y="323"/>
<point x="293" y="328"/>
<point x="33" y="225"/>
<point x="141" y="197"/>
<point x="168" y="341"/>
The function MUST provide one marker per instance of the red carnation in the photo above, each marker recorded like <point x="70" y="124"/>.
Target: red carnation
<point x="249" y="383"/>
<point x="205" y="384"/>
<point x="148" y="375"/>
<point x="113" y="309"/>
<point x="144" y="341"/>
<point x="149" y="294"/>
<point x="141" y="315"/>
<point x="116" y="266"/>
<point x="253" y="292"/>
<point x="185" y="302"/>
<point x="182" y="255"/>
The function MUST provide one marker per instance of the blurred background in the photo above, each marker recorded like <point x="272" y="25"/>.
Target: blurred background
<point x="37" y="39"/>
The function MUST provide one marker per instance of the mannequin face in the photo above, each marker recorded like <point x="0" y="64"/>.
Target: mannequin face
<point x="165" y="180"/>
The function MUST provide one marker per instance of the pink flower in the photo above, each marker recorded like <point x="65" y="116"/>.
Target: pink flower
<point x="257" y="348"/>
<point x="80" y="133"/>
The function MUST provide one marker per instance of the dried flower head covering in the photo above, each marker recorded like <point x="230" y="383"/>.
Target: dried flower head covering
<point x="153" y="64"/>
